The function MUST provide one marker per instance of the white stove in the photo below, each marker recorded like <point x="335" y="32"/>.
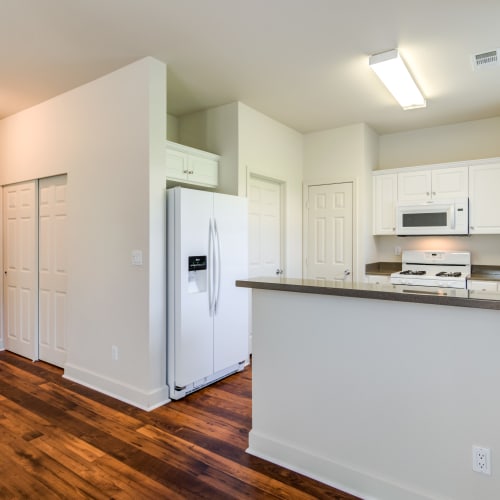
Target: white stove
<point x="433" y="268"/>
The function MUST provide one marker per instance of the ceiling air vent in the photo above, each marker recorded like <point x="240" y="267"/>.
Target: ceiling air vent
<point x="486" y="60"/>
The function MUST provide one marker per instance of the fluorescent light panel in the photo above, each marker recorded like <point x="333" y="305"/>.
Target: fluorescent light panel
<point x="391" y="69"/>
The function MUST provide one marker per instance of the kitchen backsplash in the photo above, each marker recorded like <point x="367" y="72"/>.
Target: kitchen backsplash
<point x="484" y="249"/>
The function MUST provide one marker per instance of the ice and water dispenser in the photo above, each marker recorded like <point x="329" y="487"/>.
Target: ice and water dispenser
<point x="197" y="275"/>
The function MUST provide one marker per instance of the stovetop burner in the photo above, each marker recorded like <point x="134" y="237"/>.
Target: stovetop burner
<point x="438" y="268"/>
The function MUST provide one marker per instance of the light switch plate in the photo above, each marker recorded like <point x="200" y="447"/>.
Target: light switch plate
<point x="137" y="257"/>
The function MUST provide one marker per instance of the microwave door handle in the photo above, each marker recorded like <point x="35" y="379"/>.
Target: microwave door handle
<point x="452" y="217"/>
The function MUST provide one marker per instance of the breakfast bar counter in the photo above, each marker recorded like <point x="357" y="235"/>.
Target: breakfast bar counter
<point x="376" y="390"/>
<point x="398" y="293"/>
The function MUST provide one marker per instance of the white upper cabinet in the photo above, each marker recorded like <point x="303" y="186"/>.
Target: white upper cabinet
<point x="385" y="190"/>
<point x="484" y="199"/>
<point x="429" y="184"/>
<point x="414" y="186"/>
<point x="191" y="166"/>
<point x="450" y="183"/>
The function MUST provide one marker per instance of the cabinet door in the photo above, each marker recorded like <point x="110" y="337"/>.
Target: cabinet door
<point x="177" y="165"/>
<point x="484" y="199"/>
<point x="482" y="286"/>
<point x="377" y="279"/>
<point x="203" y="171"/>
<point x="450" y="183"/>
<point x="414" y="186"/>
<point x="384" y="203"/>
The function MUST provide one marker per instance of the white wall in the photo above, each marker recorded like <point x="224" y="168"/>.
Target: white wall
<point x="108" y="136"/>
<point x="346" y="154"/>
<point x="271" y="149"/>
<point x="457" y="142"/>
<point x="249" y="141"/>
<point x="215" y="130"/>
<point x="172" y="128"/>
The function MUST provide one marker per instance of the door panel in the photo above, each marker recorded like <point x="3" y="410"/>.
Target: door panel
<point x="193" y="332"/>
<point x="264" y="209"/>
<point x="329" y="240"/>
<point x="53" y="273"/>
<point x="231" y="318"/>
<point x="21" y="269"/>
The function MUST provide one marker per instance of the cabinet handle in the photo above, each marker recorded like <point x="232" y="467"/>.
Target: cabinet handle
<point x="190" y="171"/>
<point x="472" y="227"/>
<point x="428" y="193"/>
<point x="185" y="172"/>
<point x="434" y="193"/>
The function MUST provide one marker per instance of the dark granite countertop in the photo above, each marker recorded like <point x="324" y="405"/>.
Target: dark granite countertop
<point x="485" y="273"/>
<point x="397" y="293"/>
<point x="382" y="268"/>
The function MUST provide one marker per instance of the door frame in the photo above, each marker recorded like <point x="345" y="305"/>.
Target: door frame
<point x="356" y="275"/>
<point x="253" y="174"/>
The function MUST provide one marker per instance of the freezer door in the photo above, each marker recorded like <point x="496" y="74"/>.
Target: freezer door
<point x="231" y="315"/>
<point x="191" y="331"/>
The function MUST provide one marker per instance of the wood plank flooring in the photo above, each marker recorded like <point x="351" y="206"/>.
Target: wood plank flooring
<point x="61" y="440"/>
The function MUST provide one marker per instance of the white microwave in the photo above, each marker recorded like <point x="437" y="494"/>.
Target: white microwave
<point x="445" y="217"/>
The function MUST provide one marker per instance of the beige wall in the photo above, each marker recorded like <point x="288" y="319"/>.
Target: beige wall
<point x="270" y="149"/>
<point x="108" y="136"/>
<point x="346" y="154"/>
<point x="461" y="141"/>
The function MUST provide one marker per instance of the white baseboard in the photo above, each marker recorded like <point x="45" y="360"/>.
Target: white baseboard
<point x="355" y="482"/>
<point x="128" y="394"/>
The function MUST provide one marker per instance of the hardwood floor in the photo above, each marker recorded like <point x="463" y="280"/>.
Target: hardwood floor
<point x="61" y="440"/>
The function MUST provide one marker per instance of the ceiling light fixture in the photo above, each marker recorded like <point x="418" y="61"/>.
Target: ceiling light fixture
<point x="391" y="69"/>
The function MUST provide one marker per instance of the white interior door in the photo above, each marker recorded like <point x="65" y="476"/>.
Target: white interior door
<point x="53" y="269"/>
<point x="20" y="240"/>
<point x="329" y="242"/>
<point x="264" y="210"/>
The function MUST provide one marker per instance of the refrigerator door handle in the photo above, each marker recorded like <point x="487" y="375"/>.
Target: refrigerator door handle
<point x="210" y="268"/>
<point x="217" y="268"/>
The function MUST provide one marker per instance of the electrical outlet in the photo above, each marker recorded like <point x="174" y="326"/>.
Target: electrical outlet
<point x="397" y="250"/>
<point x="481" y="460"/>
<point x="114" y="353"/>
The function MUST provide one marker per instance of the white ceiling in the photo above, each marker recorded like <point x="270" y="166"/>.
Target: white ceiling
<point x="301" y="62"/>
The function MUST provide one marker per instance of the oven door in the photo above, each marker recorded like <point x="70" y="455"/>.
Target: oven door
<point x="445" y="218"/>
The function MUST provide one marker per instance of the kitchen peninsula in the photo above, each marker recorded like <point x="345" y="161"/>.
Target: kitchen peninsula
<point x="375" y="390"/>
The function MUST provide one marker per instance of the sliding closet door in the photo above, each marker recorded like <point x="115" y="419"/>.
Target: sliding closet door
<point x="53" y="269"/>
<point x="21" y="268"/>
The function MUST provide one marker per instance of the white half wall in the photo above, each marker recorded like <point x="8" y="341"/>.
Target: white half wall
<point x="345" y="394"/>
<point x="109" y="137"/>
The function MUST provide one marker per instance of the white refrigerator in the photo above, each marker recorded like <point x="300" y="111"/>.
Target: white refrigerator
<point x="208" y="317"/>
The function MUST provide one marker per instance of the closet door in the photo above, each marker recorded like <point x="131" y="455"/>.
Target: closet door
<point x="20" y="239"/>
<point x="53" y="270"/>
